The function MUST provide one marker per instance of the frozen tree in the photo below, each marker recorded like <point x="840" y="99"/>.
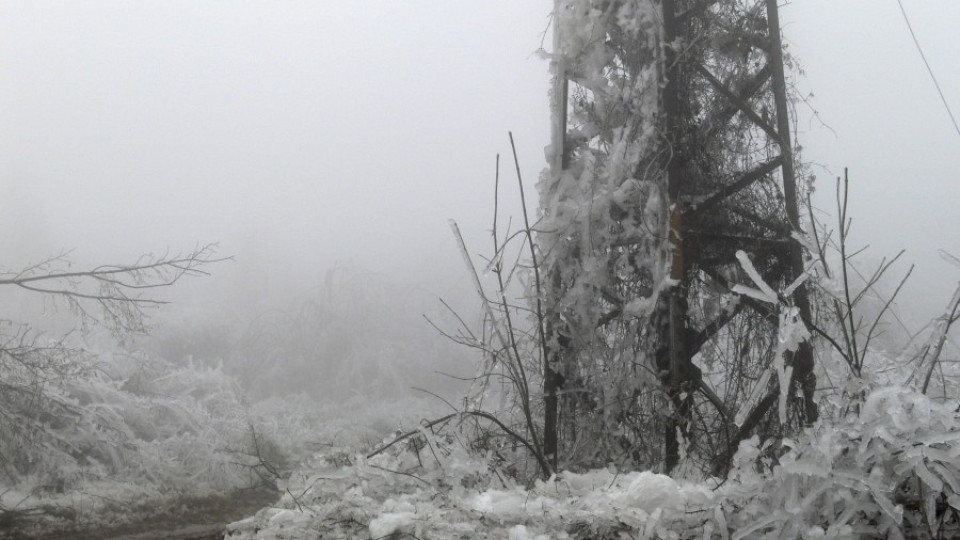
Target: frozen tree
<point x="37" y="417"/>
<point x="113" y="296"/>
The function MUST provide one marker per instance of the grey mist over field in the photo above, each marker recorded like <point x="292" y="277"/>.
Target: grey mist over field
<point x="324" y="145"/>
<point x="253" y="280"/>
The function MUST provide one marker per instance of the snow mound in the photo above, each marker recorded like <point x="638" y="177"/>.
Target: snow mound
<point x="520" y="532"/>
<point x="650" y="491"/>
<point x="393" y="523"/>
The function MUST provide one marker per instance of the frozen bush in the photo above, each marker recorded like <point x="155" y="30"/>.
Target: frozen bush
<point x="892" y="470"/>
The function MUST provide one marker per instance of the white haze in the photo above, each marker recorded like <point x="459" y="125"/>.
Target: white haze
<point x="297" y="134"/>
<point x="306" y="135"/>
<point x="888" y="125"/>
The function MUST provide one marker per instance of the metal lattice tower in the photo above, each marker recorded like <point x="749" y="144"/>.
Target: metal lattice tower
<point x="739" y="95"/>
<point x="728" y="165"/>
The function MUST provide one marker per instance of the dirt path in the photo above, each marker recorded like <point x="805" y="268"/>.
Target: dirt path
<point x="195" y="519"/>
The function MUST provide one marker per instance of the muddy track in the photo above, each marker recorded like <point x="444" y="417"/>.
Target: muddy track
<point x="194" y="519"/>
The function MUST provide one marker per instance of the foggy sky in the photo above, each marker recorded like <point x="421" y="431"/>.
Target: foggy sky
<point x="306" y="134"/>
<point x="887" y="124"/>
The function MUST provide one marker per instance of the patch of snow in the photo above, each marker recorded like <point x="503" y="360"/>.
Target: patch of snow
<point x="520" y="532"/>
<point x="393" y="522"/>
<point x="651" y="491"/>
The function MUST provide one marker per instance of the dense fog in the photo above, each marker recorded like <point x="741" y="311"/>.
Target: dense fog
<point x="237" y="302"/>
<point x="325" y="145"/>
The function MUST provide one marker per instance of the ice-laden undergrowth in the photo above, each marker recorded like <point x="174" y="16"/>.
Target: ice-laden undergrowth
<point x="892" y="470"/>
<point x="117" y="437"/>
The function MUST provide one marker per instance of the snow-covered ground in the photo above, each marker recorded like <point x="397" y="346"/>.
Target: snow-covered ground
<point x="376" y="499"/>
<point x="890" y="471"/>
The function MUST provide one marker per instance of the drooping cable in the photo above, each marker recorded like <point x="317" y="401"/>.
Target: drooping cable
<point x="929" y="69"/>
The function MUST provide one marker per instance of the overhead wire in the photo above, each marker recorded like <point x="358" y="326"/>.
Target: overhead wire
<point x="929" y="69"/>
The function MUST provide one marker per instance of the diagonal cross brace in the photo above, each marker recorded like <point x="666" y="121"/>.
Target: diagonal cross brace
<point x="750" y="177"/>
<point x="739" y="103"/>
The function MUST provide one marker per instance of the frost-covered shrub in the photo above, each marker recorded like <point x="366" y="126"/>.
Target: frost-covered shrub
<point x="41" y="424"/>
<point x="127" y="418"/>
<point x="892" y="471"/>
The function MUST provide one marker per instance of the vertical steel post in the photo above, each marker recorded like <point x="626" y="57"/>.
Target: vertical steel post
<point x="803" y="359"/>
<point x="676" y="314"/>
<point x="551" y="342"/>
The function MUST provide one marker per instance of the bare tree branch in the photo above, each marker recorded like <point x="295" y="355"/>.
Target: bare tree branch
<point x="117" y="290"/>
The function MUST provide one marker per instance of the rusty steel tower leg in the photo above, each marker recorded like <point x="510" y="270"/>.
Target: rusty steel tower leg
<point x="676" y="314"/>
<point x="803" y="374"/>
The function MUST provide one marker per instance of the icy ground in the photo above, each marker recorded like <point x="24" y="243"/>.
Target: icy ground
<point x="373" y="499"/>
<point x="891" y="470"/>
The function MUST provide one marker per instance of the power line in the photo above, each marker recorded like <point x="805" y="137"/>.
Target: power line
<point x="929" y="70"/>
